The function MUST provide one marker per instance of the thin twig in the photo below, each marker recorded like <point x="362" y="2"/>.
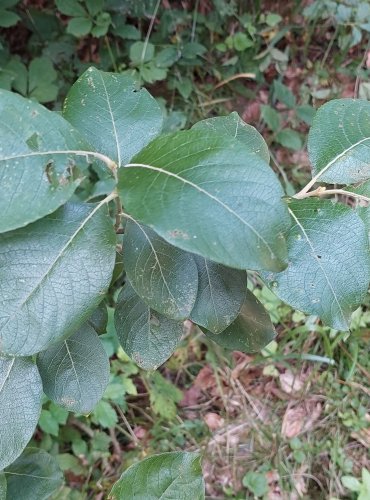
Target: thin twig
<point x="81" y="426"/>
<point x="149" y="32"/>
<point x="249" y="76"/>
<point x="322" y="191"/>
<point x="116" y="445"/>
<point x="129" y="428"/>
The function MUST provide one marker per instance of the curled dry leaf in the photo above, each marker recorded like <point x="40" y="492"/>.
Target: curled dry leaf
<point x="292" y="383"/>
<point x="300" y="418"/>
<point x="213" y="421"/>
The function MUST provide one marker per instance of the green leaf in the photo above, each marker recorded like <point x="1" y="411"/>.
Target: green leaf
<point x="151" y="73"/>
<point x="351" y="483"/>
<point x="338" y="142"/>
<point x="101" y="442"/>
<point x="163" y="396"/>
<point x="165" y="476"/>
<point x="60" y="414"/>
<point x="221" y="293"/>
<point x="19" y="75"/>
<point x="148" y="337"/>
<point x="66" y="462"/>
<point x="233" y="126"/>
<point x="102" y="23"/>
<point x="3" y="486"/>
<point x="79" y="26"/>
<point x="36" y="174"/>
<point x="167" y="57"/>
<point x="193" y="49"/>
<point x="94" y="6"/>
<point x="53" y="274"/>
<point x="283" y="94"/>
<point x="75" y="372"/>
<point x="306" y="113"/>
<point x="165" y="277"/>
<point x="271" y="117"/>
<point x="241" y="42"/>
<point x="41" y="78"/>
<point x="256" y="483"/>
<point x="105" y="415"/>
<point x="20" y="403"/>
<point x="8" y="18"/>
<point x="141" y="52"/>
<point x="127" y="32"/>
<point x="207" y="194"/>
<point x="35" y="475"/>
<point x="70" y="7"/>
<point x="273" y="19"/>
<point x="250" y="332"/>
<point x="289" y="139"/>
<point x="111" y="113"/>
<point x="48" y="423"/>
<point x="329" y="266"/>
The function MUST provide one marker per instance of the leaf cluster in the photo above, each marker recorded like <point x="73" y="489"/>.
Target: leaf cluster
<point x="198" y="208"/>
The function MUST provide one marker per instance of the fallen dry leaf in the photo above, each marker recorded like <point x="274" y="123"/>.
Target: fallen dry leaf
<point x="300" y="418"/>
<point x="291" y="383"/>
<point x="300" y="485"/>
<point x="213" y="421"/>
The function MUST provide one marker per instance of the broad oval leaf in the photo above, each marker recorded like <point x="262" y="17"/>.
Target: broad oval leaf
<point x="165" y="477"/>
<point x="20" y="403"/>
<point x="35" y="475"/>
<point x="250" y="332"/>
<point x="339" y="140"/>
<point x="234" y="126"/>
<point x="53" y="274"/>
<point x="75" y="372"/>
<point x="165" y="277"/>
<point x="148" y="337"/>
<point x="113" y="114"/>
<point x="36" y="177"/>
<point x="207" y="194"/>
<point x="329" y="266"/>
<point x="221" y="293"/>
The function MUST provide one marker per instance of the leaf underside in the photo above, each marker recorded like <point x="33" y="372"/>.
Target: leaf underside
<point x="20" y="403"/>
<point x="329" y="266"/>
<point x="34" y="179"/>
<point x="148" y="337"/>
<point x="221" y="293"/>
<point x="166" y="476"/>
<point x="50" y="279"/>
<point x="75" y="372"/>
<point x="339" y="141"/>
<point x="165" y="277"/>
<point x="250" y="332"/>
<point x="35" y="475"/>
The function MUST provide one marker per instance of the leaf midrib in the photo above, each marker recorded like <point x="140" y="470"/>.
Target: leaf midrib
<point x="339" y="156"/>
<point x="319" y="263"/>
<point x="7" y="375"/>
<point x="157" y="260"/>
<point x="205" y="192"/>
<point x="112" y="119"/>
